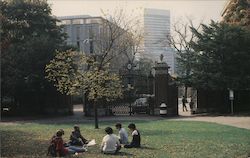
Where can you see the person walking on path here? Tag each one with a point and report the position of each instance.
(184, 101)
(191, 105)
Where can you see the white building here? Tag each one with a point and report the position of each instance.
(157, 29)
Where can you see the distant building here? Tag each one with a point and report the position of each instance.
(157, 29)
(80, 29)
(227, 6)
(90, 35)
(237, 12)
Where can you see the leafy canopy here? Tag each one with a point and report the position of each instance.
(30, 38)
(68, 72)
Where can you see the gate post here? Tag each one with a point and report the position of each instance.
(165, 90)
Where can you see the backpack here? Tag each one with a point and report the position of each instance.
(52, 150)
(52, 147)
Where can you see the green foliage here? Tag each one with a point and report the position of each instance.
(184, 67)
(68, 72)
(222, 57)
(238, 13)
(145, 66)
(160, 139)
(31, 37)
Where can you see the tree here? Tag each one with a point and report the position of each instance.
(222, 57)
(180, 40)
(31, 37)
(68, 75)
(112, 45)
(238, 12)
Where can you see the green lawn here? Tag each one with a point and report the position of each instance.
(162, 138)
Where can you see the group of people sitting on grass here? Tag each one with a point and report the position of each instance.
(111, 143)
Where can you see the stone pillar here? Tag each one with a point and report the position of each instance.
(164, 90)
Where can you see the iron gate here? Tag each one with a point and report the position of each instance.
(119, 108)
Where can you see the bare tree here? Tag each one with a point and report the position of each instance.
(117, 42)
(118, 39)
(180, 39)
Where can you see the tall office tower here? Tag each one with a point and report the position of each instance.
(157, 29)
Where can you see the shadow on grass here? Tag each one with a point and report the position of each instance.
(156, 132)
(147, 148)
(17, 143)
(110, 122)
(122, 153)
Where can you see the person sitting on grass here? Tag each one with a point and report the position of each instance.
(61, 150)
(110, 143)
(54, 136)
(76, 138)
(123, 135)
(136, 140)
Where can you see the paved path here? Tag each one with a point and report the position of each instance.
(236, 121)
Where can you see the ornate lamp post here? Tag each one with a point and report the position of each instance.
(129, 67)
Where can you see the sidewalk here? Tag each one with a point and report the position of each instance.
(236, 121)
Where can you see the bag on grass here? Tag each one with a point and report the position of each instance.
(52, 150)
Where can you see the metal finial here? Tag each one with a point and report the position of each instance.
(161, 57)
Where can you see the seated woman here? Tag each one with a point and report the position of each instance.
(76, 138)
(136, 140)
(110, 143)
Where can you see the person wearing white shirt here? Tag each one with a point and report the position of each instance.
(123, 135)
(110, 143)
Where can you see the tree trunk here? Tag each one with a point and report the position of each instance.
(96, 115)
(185, 91)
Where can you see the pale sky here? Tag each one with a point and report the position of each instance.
(204, 10)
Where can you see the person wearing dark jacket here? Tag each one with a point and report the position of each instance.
(136, 140)
(76, 137)
(184, 101)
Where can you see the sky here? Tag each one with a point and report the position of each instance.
(198, 10)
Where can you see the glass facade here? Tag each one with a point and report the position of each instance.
(156, 29)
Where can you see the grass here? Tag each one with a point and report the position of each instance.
(160, 139)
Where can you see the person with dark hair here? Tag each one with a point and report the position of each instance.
(54, 136)
(136, 140)
(59, 144)
(76, 137)
(123, 135)
(184, 101)
(110, 143)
